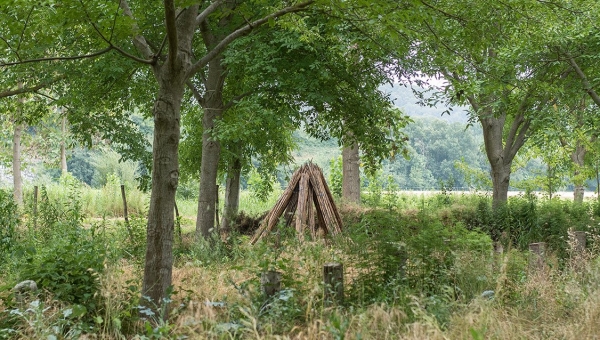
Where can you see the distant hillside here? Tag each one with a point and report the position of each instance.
(404, 99)
(312, 149)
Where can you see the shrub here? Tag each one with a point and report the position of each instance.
(9, 219)
(335, 176)
(395, 255)
(68, 266)
(64, 257)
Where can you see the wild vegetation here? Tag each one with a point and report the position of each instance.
(415, 267)
(182, 103)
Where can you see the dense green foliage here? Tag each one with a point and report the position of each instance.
(9, 219)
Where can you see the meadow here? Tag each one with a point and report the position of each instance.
(415, 267)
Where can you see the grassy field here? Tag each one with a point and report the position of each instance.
(415, 267)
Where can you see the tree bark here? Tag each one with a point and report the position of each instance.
(171, 77)
(500, 164)
(16, 163)
(577, 157)
(165, 176)
(351, 174)
(501, 152)
(16, 160)
(232, 194)
(211, 148)
(63, 151)
(500, 182)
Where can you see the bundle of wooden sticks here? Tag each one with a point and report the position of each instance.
(307, 202)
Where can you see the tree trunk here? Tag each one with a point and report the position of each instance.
(63, 152)
(232, 194)
(165, 176)
(500, 164)
(351, 174)
(16, 160)
(501, 152)
(500, 182)
(16, 163)
(577, 157)
(211, 149)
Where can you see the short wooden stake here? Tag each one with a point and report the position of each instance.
(403, 257)
(125, 215)
(124, 204)
(498, 248)
(538, 252)
(270, 282)
(580, 241)
(333, 281)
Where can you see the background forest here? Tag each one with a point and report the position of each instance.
(444, 152)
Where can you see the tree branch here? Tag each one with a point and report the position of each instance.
(514, 129)
(586, 84)
(138, 40)
(473, 103)
(446, 14)
(240, 32)
(520, 139)
(91, 55)
(109, 42)
(25, 27)
(11, 48)
(22, 90)
(199, 98)
(171, 31)
(236, 99)
(208, 11)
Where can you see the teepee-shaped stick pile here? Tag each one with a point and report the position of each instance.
(306, 197)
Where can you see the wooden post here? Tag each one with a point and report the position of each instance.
(403, 255)
(125, 212)
(580, 241)
(270, 282)
(333, 281)
(538, 252)
(124, 204)
(498, 248)
(35, 202)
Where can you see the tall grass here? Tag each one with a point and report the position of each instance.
(415, 268)
(103, 202)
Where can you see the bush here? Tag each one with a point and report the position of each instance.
(411, 254)
(9, 219)
(61, 255)
(335, 176)
(68, 267)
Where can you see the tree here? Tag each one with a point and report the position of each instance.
(484, 54)
(351, 174)
(172, 63)
(300, 77)
(16, 154)
(568, 131)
